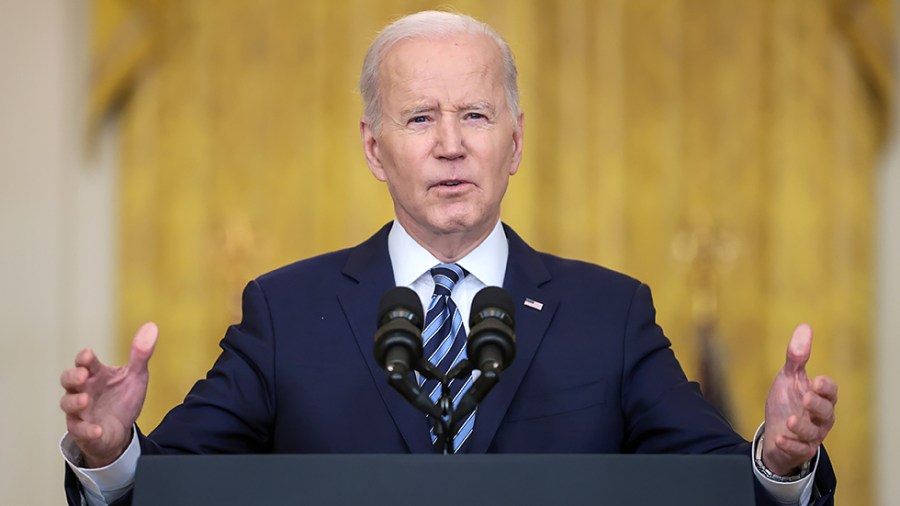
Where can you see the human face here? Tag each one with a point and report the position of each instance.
(447, 143)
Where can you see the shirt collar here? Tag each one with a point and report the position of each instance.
(410, 260)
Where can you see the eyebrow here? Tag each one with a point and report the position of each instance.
(480, 105)
(418, 109)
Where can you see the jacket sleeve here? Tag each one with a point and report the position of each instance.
(231, 410)
(666, 413)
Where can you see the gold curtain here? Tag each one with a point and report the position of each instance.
(723, 152)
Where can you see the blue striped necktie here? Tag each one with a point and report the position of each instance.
(445, 344)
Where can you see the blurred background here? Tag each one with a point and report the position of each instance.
(738, 156)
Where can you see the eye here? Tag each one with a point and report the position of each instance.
(475, 115)
(418, 119)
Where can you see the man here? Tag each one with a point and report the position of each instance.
(593, 372)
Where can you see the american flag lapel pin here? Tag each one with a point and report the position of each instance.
(533, 304)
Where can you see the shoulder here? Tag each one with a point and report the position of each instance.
(588, 285)
(582, 273)
(306, 284)
(330, 270)
(321, 266)
(568, 275)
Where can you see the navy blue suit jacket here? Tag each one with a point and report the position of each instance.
(593, 372)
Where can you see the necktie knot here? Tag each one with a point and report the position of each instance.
(445, 277)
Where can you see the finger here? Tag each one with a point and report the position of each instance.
(799, 349)
(142, 346)
(821, 410)
(82, 430)
(74, 403)
(73, 379)
(88, 359)
(796, 449)
(826, 387)
(804, 431)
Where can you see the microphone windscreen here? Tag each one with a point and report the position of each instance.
(400, 297)
(492, 297)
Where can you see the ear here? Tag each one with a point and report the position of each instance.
(370, 148)
(518, 136)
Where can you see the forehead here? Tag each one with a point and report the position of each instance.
(452, 66)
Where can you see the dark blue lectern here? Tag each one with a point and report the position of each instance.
(451, 480)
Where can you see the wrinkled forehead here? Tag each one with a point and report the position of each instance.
(459, 59)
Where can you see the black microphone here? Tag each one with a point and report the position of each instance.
(398, 341)
(492, 341)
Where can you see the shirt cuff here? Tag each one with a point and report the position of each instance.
(791, 493)
(103, 485)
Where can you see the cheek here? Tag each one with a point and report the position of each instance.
(498, 156)
(410, 154)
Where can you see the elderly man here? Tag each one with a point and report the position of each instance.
(594, 373)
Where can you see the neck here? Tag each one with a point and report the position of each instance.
(449, 247)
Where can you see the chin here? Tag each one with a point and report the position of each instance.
(449, 228)
(458, 224)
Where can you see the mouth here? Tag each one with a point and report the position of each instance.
(451, 183)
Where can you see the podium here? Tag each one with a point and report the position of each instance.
(437, 480)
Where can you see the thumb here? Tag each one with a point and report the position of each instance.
(143, 345)
(799, 349)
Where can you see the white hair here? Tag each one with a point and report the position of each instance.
(429, 24)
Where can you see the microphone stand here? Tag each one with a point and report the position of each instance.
(398, 377)
(445, 419)
(490, 375)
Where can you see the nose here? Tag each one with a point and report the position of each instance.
(449, 142)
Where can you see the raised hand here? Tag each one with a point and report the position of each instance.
(103, 402)
(799, 411)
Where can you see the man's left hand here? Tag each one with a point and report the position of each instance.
(799, 411)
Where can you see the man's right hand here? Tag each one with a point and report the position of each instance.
(102, 402)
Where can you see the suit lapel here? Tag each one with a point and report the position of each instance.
(370, 266)
(525, 274)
